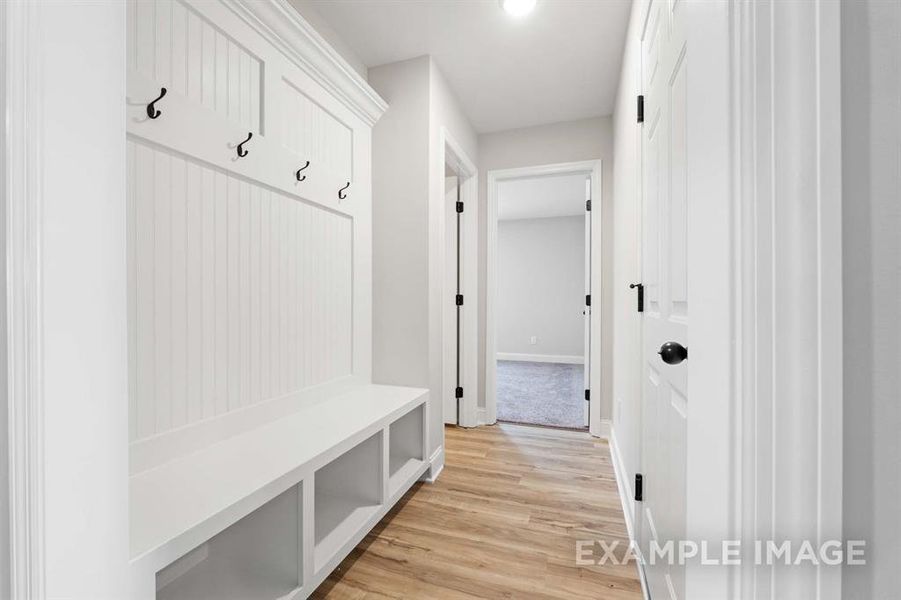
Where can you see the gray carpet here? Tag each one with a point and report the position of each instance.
(540, 393)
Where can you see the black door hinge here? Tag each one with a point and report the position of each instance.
(587, 395)
(588, 205)
(458, 393)
(587, 299)
(641, 109)
(639, 496)
(459, 207)
(640, 287)
(459, 300)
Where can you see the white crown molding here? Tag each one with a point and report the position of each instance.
(23, 200)
(284, 28)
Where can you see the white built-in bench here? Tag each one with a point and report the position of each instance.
(259, 453)
(270, 511)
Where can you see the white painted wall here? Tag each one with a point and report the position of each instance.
(400, 233)
(626, 428)
(570, 141)
(541, 286)
(408, 227)
(871, 182)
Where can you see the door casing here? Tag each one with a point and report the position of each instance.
(597, 426)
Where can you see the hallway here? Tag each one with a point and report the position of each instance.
(502, 521)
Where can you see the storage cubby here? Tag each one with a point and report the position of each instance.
(405, 455)
(348, 491)
(258, 557)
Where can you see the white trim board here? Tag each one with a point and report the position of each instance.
(436, 465)
(283, 27)
(542, 358)
(788, 261)
(22, 196)
(625, 497)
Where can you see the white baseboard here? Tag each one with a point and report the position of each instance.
(436, 465)
(606, 429)
(622, 484)
(542, 358)
(625, 497)
(482, 416)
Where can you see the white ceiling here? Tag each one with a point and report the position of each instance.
(559, 63)
(541, 197)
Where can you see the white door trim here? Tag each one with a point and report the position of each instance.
(788, 265)
(22, 54)
(451, 153)
(594, 168)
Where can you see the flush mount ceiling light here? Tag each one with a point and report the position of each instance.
(518, 8)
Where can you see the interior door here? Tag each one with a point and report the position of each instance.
(451, 309)
(587, 311)
(665, 394)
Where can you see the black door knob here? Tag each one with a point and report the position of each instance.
(673, 353)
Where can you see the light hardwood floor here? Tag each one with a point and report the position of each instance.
(501, 521)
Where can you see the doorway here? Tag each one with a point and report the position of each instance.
(458, 285)
(539, 332)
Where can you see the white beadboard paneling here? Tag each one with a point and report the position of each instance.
(160, 198)
(183, 51)
(314, 133)
(194, 291)
(178, 290)
(237, 294)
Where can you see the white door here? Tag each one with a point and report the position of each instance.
(587, 311)
(451, 310)
(685, 187)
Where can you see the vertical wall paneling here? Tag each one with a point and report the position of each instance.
(237, 294)
(130, 234)
(162, 287)
(178, 291)
(244, 285)
(194, 238)
(181, 50)
(315, 134)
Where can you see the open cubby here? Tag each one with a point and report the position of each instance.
(348, 491)
(258, 557)
(405, 454)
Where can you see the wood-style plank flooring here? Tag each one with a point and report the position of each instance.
(501, 521)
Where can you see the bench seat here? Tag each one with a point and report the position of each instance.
(182, 503)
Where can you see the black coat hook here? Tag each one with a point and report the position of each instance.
(341, 194)
(298, 175)
(241, 151)
(152, 112)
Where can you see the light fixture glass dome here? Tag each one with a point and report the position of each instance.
(518, 8)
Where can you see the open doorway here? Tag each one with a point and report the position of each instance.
(540, 311)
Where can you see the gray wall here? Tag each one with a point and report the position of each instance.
(541, 286)
(400, 225)
(407, 196)
(588, 139)
(871, 174)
